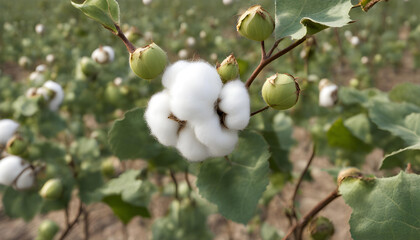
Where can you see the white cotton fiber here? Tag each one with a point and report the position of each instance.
(328, 95)
(171, 72)
(103, 54)
(157, 112)
(26, 179)
(197, 86)
(8, 128)
(220, 140)
(56, 101)
(190, 147)
(235, 102)
(10, 168)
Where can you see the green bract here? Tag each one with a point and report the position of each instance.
(228, 69)
(52, 189)
(47, 230)
(256, 24)
(148, 62)
(281, 91)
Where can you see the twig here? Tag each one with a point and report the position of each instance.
(66, 215)
(71, 225)
(263, 54)
(187, 179)
(130, 47)
(274, 47)
(176, 184)
(260, 110)
(299, 226)
(86, 222)
(265, 62)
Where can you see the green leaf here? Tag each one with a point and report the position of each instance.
(123, 210)
(384, 208)
(402, 156)
(21, 204)
(106, 12)
(269, 232)
(185, 221)
(89, 183)
(235, 186)
(130, 137)
(339, 136)
(359, 126)
(298, 18)
(406, 92)
(25, 106)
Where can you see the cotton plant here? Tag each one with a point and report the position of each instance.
(196, 113)
(328, 93)
(51, 92)
(16, 172)
(8, 128)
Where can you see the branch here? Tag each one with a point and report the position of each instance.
(130, 47)
(86, 222)
(299, 226)
(260, 110)
(176, 184)
(71, 225)
(266, 61)
(263, 54)
(274, 47)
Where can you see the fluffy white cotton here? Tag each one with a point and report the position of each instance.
(183, 54)
(189, 146)
(171, 73)
(10, 168)
(8, 128)
(50, 58)
(157, 112)
(195, 91)
(26, 179)
(36, 77)
(103, 54)
(56, 101)
(41, 68)
(328, 95)
(190, 41)
(235, 102)
(147, 2)
(220, 140)
(354, 40)
(40, 28)
(227, 2)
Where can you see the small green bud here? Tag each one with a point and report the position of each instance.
(256, 24)
(321, 228)
(47, 230)
(52, 189)
(107, 168)
(281, 91)
(348, 172)
(228, 69)
(88, 66)
(148, 62)
(17, 146)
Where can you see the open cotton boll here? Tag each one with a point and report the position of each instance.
(235, 102)
(196, 86)
(104, 54)
(219, 140)
(26, 180)
(189, 146)
(157, 112)
(328, 96)
(10, 168)
(8, 128)
(58, 97)
(171, 72)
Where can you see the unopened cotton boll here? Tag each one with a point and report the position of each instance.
(189, 146)
(8, 128)
(10, 168)
(104, 54)
(25, 180)
(220, 140)
(171, 72)
(195, 91)
(58, 97)
(235, 102)
(157, 113)
(328, 95)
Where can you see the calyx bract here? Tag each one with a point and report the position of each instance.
(256, 24)
(281, 91)
(148, 62)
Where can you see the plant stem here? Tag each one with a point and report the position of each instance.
(263, 54)
(299, 226)
(265, 61)
(130, 47)
(71, 225)
(176, 184)
(260, 110)
(86, 223)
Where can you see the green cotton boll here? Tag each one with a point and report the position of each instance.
(47, 230)
(281, 91)
(255, 24)
(148, 62)
(52, 189)
(228, 69)
(321, 228)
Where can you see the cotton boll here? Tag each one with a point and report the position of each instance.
(147, 2)
(190, 41)
(8, 128)
(157, 112)
(40, 28)
(25, 180)
(10, 168)
(227, 2)
(36, 77)
(58, 97)
(41, 68)
(195, 91)
(219, 140)
(171, 72)
(183, 53)
(235, 102)
(328, 96)
(354, 40)
(189, 146)
(103, 54)
(50, 58)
